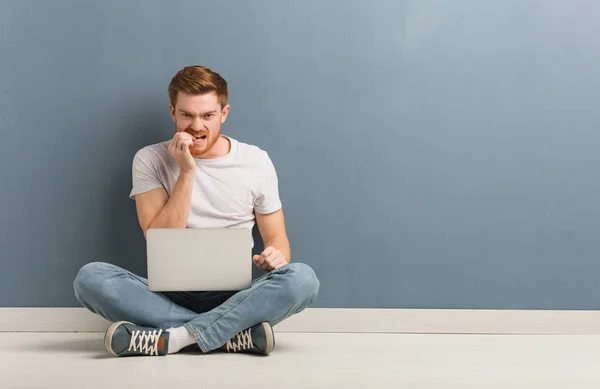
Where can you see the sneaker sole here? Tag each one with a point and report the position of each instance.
(109, 334)
(270, 337)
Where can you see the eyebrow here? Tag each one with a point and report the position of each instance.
(205, 113)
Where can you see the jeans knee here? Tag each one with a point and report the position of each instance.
(304, 283)
(90, 279)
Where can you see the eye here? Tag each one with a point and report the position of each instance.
(187, 115)
(208, 115)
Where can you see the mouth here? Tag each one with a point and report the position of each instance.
(199, 140)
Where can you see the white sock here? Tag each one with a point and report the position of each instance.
(179, 338)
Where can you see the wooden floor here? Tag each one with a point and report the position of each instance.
(78, 360)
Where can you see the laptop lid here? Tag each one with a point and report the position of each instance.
(198, 259)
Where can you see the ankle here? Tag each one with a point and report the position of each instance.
(179, 338)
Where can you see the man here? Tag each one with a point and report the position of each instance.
(201, 179)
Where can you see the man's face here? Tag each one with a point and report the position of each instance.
(200, 116)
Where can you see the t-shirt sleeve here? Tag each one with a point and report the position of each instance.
(143, 173)
(268, 200)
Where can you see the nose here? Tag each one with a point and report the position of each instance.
(197, 125)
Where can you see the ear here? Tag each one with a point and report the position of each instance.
(224, 113)
(172, 109)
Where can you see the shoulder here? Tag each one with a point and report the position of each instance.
(252, 155)
(152, 153)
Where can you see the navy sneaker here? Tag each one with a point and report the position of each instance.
(126, 339)
(258, 339)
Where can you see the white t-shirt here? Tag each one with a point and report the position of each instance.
(227, 190)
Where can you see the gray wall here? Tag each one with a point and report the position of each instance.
(431, 154)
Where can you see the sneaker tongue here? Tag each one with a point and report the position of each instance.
(163, 341)
(241, 341)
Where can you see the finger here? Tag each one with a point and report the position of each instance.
(260, 260)
(273, 257)
(279, 263)
(179, 136)
(260, 263)
(186, 146)
(184, 143)
(263, 266)
(185, 137)
(256, 260)
(282, 263)
(267, 252)
(176, 141)
(272, 261)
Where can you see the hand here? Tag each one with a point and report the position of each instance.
(180, 150)
(270, 259)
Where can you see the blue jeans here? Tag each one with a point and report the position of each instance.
(211, 317)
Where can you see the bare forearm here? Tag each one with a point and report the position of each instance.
(175, 212)
(281, 243)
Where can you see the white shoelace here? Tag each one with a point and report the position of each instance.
(241, 341)
(147, 341)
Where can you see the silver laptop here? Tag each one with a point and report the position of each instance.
(192, 259)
